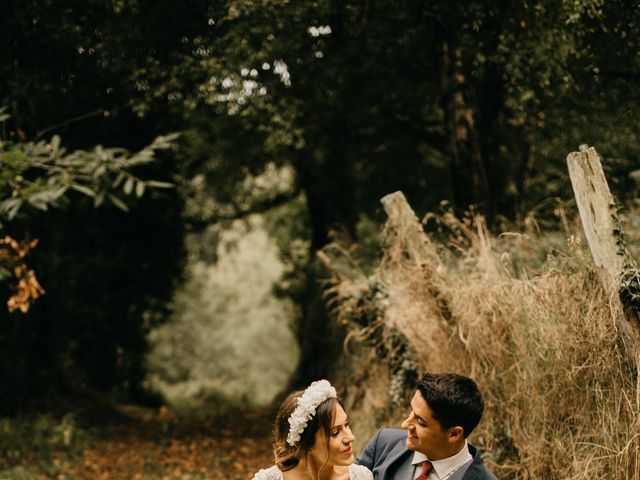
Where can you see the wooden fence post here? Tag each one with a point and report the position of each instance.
(604, 234)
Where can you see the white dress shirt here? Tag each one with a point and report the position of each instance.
(444, 468)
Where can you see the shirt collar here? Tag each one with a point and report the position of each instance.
(446, 465)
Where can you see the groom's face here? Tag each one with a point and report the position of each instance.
(424, 433)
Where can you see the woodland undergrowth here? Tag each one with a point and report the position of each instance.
(522, 312)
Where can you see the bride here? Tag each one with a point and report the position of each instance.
(312, 439)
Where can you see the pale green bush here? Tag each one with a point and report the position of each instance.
(230, 337)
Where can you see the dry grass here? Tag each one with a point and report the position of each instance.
(560, 391)
(540, 337)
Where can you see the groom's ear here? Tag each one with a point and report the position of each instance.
(456, 434)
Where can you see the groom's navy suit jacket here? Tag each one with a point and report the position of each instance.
(388, 457)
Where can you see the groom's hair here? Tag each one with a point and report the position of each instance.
(454, 400)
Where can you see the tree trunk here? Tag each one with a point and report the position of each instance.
(329, 185)
(523, 174)
(468, 173)
(328, 182)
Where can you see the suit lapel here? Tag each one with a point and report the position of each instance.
(405, 469)
(397, 465)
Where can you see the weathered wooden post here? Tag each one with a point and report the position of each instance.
(605, 237)
(404, 223)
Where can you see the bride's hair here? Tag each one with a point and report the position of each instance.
(287, 456)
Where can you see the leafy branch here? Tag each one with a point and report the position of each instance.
(40, 174)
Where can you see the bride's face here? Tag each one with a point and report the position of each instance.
(338, 450)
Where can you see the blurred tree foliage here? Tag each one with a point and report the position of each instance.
(37, 176)
(104, 294)
(107, 274)
(476, 102)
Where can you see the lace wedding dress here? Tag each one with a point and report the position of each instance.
(356, 472)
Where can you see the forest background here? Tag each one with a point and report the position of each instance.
(203, 180)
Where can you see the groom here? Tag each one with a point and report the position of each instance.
(433, 445)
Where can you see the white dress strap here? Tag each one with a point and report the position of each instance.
(356, 472)
(271, 473)
(359, 472)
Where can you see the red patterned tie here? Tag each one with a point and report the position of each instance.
(426, 468)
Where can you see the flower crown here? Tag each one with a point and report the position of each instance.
(314, 395)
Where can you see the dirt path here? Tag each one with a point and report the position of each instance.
(157, 446)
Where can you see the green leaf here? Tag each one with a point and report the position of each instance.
(42, 199)
(118, 203)
(99, 199)
(82, 189)
(55, 142)
(139, 189)
(99, 171)
(158, 184)
(11, 207)
(163, 142)
(141, 158)
(58, 193)
(128, 186)
(4, 274)
(4, 116)
(37, 202)
(116, 183)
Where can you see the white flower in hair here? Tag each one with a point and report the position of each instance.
(314, 395)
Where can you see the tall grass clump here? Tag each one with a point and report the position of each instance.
(525, 315)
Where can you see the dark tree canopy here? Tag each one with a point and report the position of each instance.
(476, 103)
